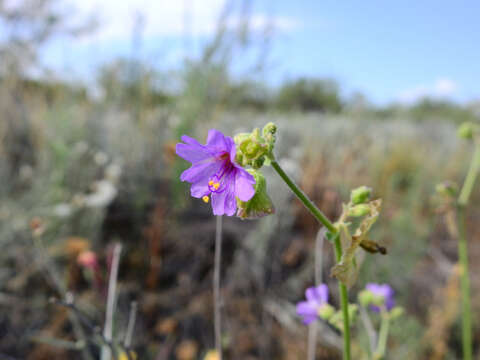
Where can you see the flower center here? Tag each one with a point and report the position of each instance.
(217, 183)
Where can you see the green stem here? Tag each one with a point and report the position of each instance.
(338, 251)
(304, 198)
(462, 202)
(471, 177)
(343, 302)
(465, 285)
(382, 337)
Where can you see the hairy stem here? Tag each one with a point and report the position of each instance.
(106, 353)
(127, 342)
(371, 333)
(462, 202)
(343, 302)
(304, 199)
(471, 177)
(464, 285)
(216, 287)
(382, 337)
(322, 219)
(313, 328)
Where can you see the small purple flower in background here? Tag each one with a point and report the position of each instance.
(317, 297)
(384, 293)
(214, 173)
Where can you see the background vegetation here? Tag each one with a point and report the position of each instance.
(90, 171)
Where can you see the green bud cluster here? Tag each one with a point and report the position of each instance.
(326, 312)
(467, 130)
(365, 298)
(447, 188)
(255, 149)
(360, 195)
(336, 317)
(396, 312)
(359, 210)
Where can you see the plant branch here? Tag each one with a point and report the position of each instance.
(111, 297)
(322, 219)
(216, 287)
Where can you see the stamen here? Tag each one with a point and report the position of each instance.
(210, 183)
(206, 199)
(216, 185)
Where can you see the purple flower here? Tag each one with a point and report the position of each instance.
(384, 292)
(214, 172)
(316, 298)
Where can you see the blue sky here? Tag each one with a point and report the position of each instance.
(390, 51)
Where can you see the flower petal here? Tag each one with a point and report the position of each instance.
(306, 308)
(200, 172)
(244, 182)
(317, 295)
(308, 319)
(199, 189)
(217, 140)
(190, 141)
(223, 203)
(193, 153)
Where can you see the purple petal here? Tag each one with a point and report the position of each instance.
(308, 311)
(200, 172)
(308, 319)
(317, 294)
(230, 204)
(190, 141)
(306, 308)
(389, 303)
(216, 140)
(223, 203)
(385, 291)
(244, 182)
(193, 153)
(199, 189)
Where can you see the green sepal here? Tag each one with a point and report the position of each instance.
(260, 204)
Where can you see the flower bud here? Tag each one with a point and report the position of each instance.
(396, 312)
(447, 188)
(260, 204)
(360, 195)
(326, 311)
(359, 210)
(251, 149)
(365, 298)
(268, 134)
(466, 130)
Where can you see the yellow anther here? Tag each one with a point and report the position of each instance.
(206, 199)
(210, 183)
(216, 186)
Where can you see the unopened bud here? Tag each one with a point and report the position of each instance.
(359, 210)
(396, 312)
(365, 298)
(326, 311)
(360, 195)
(447, 188)
(466, 130)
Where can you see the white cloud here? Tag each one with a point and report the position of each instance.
(441, 88)
(166, 18)
(445, 87)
